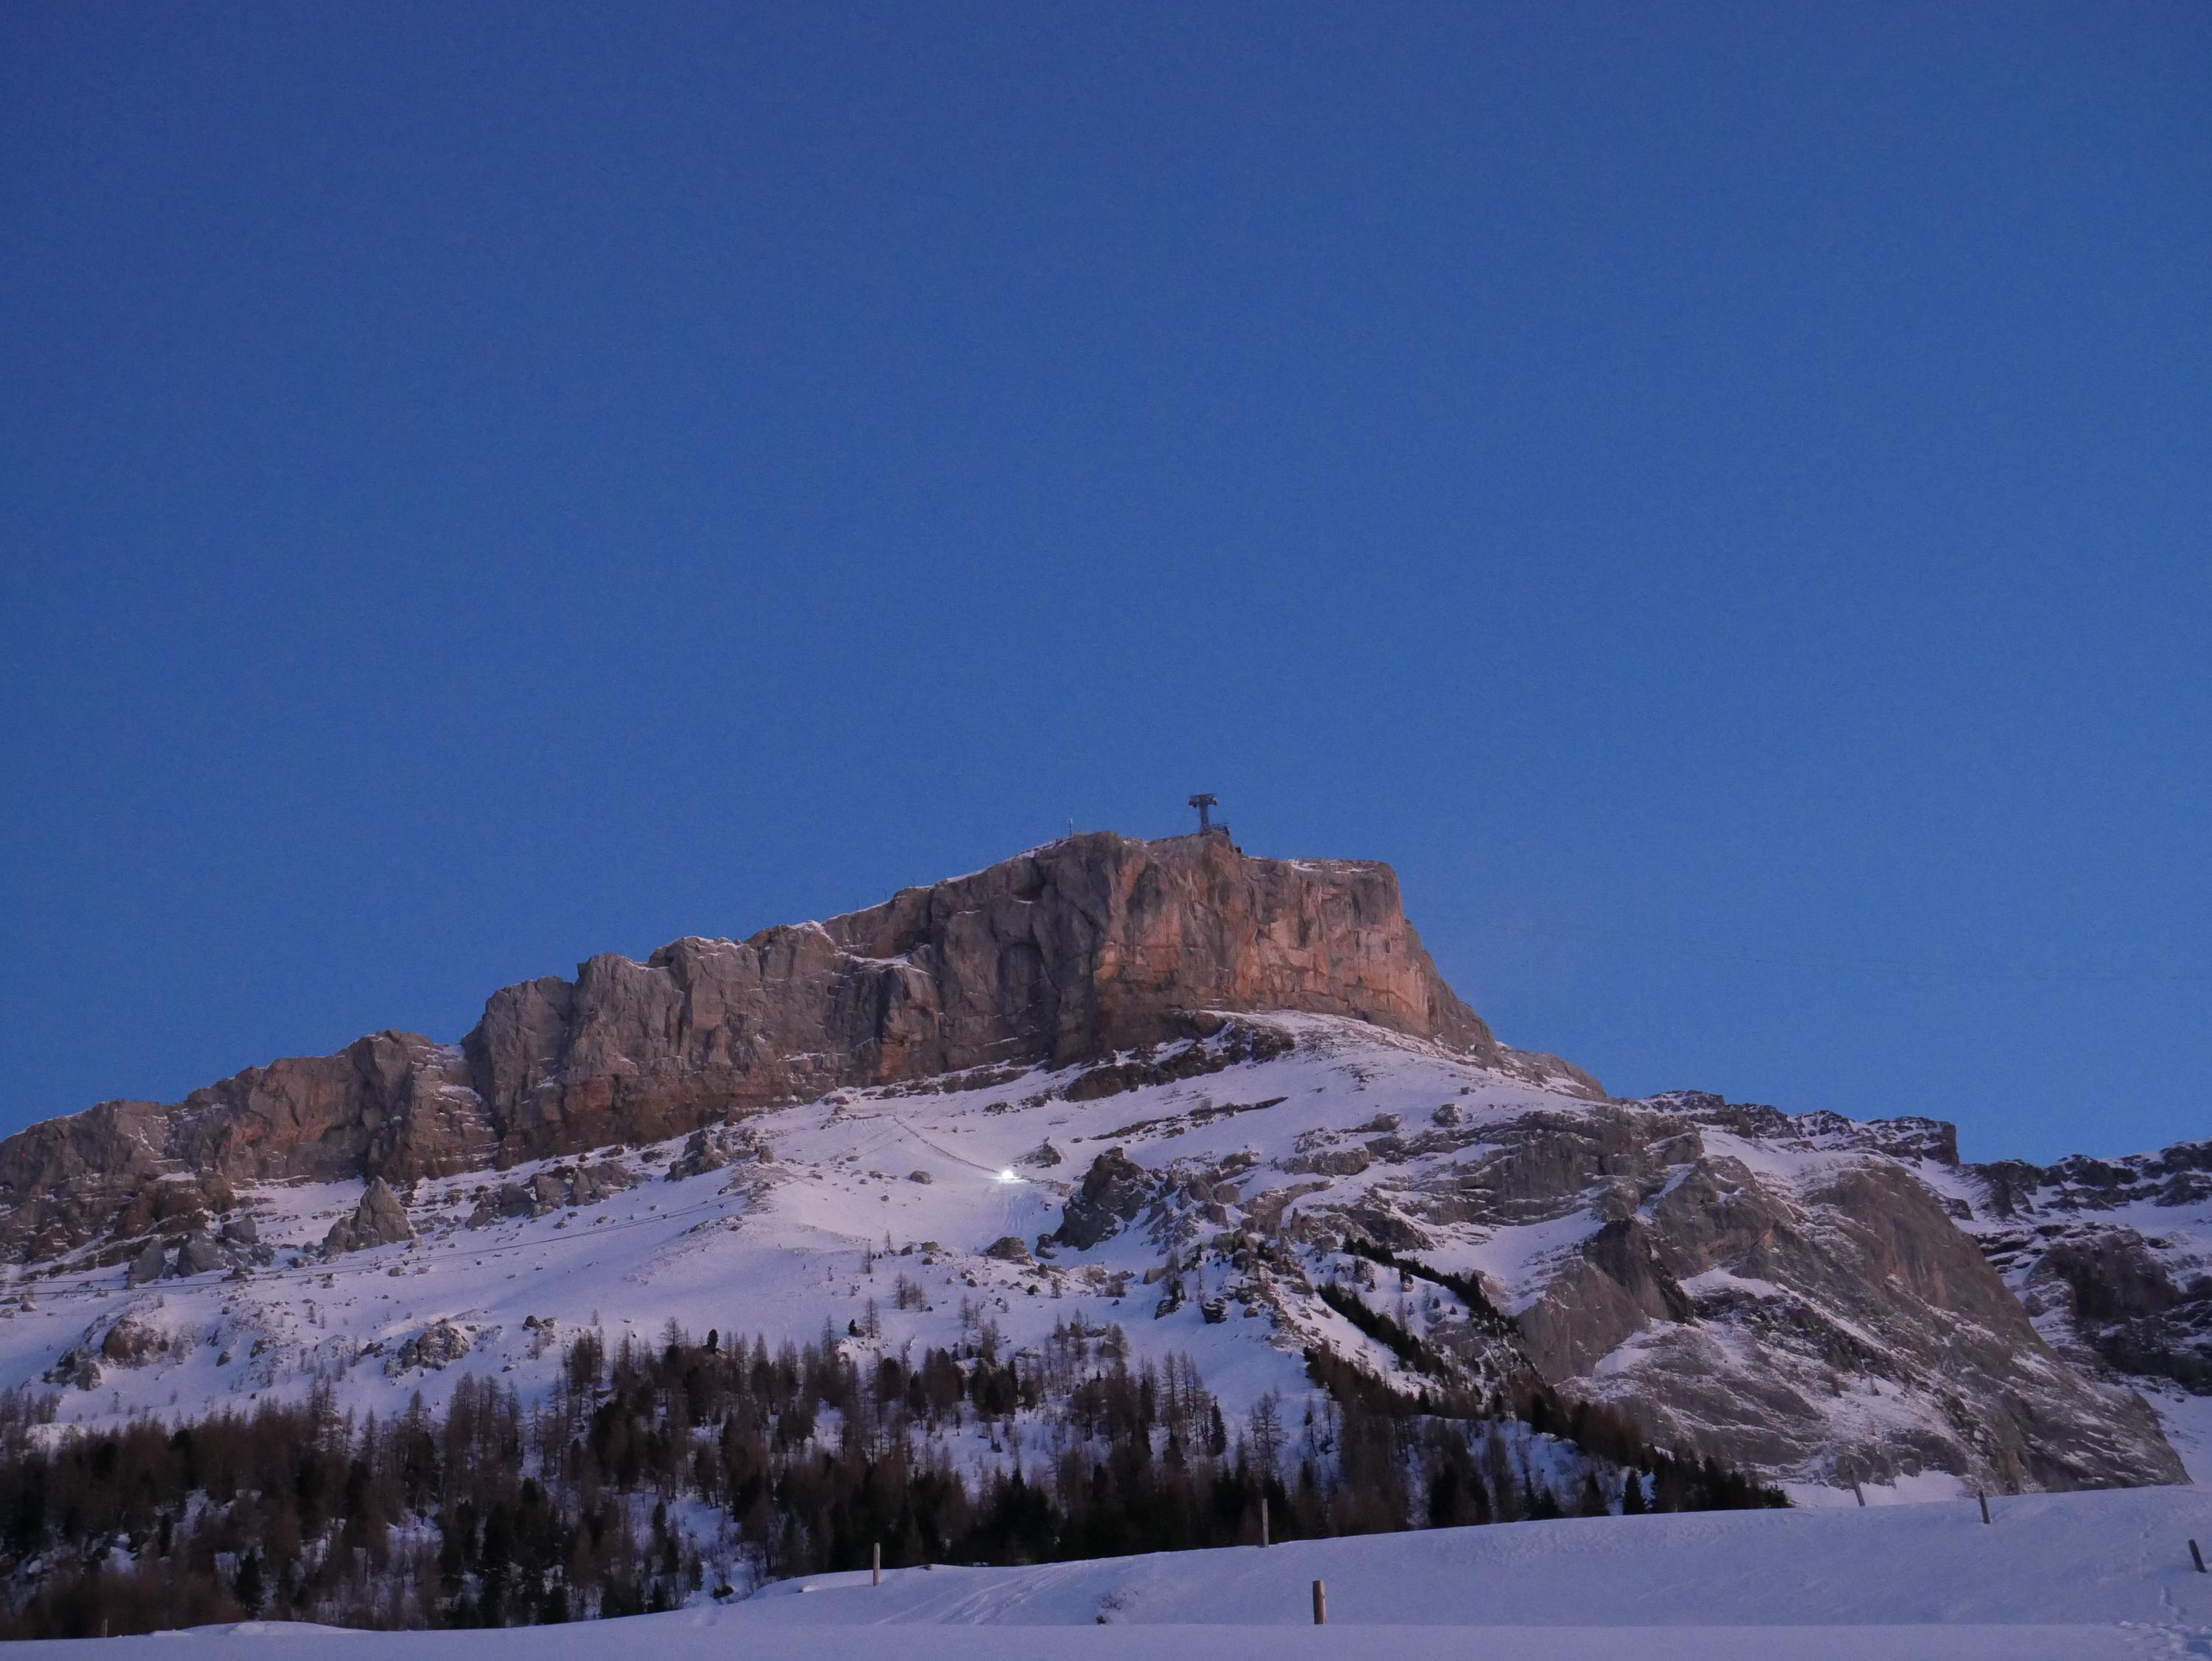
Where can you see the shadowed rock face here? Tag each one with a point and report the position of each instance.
(1068, 954)
(1790, 1293)
(1754, 1310)
(2110, 1256)
(2130, 1307)
(1113, 1192)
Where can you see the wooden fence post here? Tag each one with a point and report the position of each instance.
(877, 1569)
(1263, 1522)
(1321, 1604)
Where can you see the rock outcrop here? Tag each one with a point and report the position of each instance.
(379, 1220)
(1114, 1192)
(561, 1188)
(1793, 1294)
(393, 1105)
(431, 1350)
(201, 1253)
(2130, 1305)
(128, 1343)
(1074, 952)
(702, 1152)
(150, 1264)
(1734, 1311)
(132, 1342)
(2112, 1257)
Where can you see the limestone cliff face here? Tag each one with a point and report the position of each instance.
(1087, 946)
(392, 1102)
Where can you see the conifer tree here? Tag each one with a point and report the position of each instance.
(248, 1588)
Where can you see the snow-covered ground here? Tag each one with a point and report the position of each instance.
(2188, 1422)
(2081, 1575)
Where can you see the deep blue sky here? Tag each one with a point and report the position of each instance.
(1718, 495)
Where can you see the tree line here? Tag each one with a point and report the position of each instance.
(651, 1473)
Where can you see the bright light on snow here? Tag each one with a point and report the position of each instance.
(1007, 1175)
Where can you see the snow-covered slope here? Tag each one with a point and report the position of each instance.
(2075, 1560)
(1785, 1293)
(2091, 1575)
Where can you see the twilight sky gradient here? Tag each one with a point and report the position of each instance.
(1718, 495)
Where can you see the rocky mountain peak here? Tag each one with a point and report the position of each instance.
(1162, 1076)
(1075, 951)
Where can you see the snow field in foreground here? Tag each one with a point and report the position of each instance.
(2087, 1575)
(671, 1641)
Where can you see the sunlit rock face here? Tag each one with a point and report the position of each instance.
(1075, 951)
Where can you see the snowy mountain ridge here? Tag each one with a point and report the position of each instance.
(1226, 1104)
(1789, 1294)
